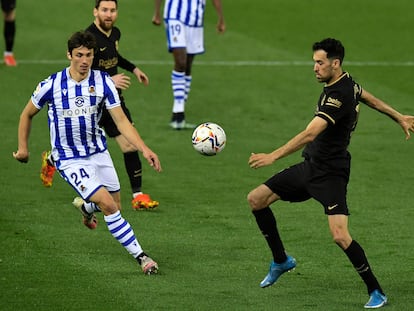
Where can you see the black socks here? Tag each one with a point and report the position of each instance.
(267, 225)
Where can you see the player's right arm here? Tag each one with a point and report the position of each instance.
(25, 123)
(314, 128)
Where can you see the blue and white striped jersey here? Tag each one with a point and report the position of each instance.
(189, 12)
(74, 109)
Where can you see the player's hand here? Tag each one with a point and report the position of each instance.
(221, 27)
(156, 20)
(258, 160)
(407, 123)
(152, 159)
(141, 76)
(20, 156)
(122, 81)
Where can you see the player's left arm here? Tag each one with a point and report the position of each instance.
(25, 124)
(141, 76)
(156, 18)
(133, 137)
(127, 65)
(405, 121)
(221, 25)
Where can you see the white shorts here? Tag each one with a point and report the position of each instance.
(183, 36)
(87, 175)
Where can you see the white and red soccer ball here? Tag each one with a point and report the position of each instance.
(209, 138)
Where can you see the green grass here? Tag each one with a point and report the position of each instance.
(210, 252)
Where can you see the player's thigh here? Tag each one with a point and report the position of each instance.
(195, 40)
(290, 183)
(331, 192)
(261, 197)
(81, 174)
(107, 173)
(88, 175)
(176, 37)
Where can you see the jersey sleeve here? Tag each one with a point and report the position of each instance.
(332, 107)
(111, 94)
(125, 64)
(41, 95)
(358, 92)
(122, 61)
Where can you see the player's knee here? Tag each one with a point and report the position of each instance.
(108, 205)
(254, 200)
(343, 241)
(180, 64)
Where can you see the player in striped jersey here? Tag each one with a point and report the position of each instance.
(107, 58)
(74, 98)
(184, 23)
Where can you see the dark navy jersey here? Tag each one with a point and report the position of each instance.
(107, 57)
(339, 106)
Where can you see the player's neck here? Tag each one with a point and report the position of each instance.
(76, 75)
(105, 32)
(335, 78)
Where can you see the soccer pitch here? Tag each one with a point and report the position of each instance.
(256, 81)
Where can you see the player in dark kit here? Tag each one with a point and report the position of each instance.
(8, 8)
(108, 59)
(324, 173)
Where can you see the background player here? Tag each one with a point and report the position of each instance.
(9, 14)
(184, 23)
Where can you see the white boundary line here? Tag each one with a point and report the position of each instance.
(239, 63)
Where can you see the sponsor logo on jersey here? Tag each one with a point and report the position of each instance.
(333, 102)
(108, 63)
(79, 112)
(79, 101)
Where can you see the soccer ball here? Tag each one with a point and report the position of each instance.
(209, 139)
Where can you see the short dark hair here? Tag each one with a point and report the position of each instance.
(332, 47)
(98, 2)
(81, 38)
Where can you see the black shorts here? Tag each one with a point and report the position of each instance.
(108, 124)
(8, 5)
(307, 180)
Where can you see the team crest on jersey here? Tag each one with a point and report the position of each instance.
(79, 101)
(91, 89)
